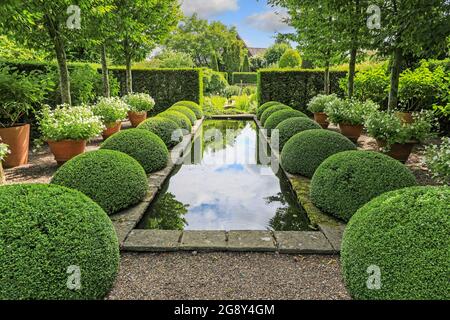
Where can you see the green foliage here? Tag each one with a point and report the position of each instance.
(10, 50)
(214, 105)
(180, 119)
(113, 179)
(166, 129)
(290, 127)
(111, 110)
(4, 151)
(246, 65)
(232, 57)
(168, 214)
(44, 229)
(69, 123)
(437, 158)
(186, 111)
(257, 62)
(231, 91)
(214, 83)
(295, 87)
(139, 102)
(214, 63)
(166, 86)
(290, 59)
(269, 111)
(405, 234)
(172, 59)
(264, 107)
(275, 52)
(193, 106)
(319, 102)
(144, 146)
(276, 118)
(244, 77)
(82, 84)
(348, 180)
(351, 112)
(306, 151)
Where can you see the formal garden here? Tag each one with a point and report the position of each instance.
(138, 138)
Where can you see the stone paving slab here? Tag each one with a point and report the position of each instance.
(302, 242)
(123, 228)
(334, 234)
(204, 241)
(251, 241)
(133, 214)
(151, 194)
(152, 240)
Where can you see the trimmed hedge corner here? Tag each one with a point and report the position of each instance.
(275, 119)
(290, 127)
(348, 180)
(46, 229)
(113, 179)
(186, 111)
(164, 128)
(193, 106)
(305, 151)
(180, 119)
(266, 114)
(264, 107)
(404, 233)
(144, 146)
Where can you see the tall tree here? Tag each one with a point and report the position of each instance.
(246, 64)
(232, 58)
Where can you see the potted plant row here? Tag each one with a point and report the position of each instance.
(350, 115)
(397, 138)
(4, 151)
(67, 129)
(317, 107)
(112, 111)
(139, 105)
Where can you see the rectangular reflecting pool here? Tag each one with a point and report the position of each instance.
(223, 185)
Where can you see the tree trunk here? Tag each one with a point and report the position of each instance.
(106, 89)
(395, 79)
(129, 75)
(327, 88)
(351, 72)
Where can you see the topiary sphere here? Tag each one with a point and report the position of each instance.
(266, 114)
(404, 235)
(193, 106)
(305, 151)
(186, 111)
(266, 106)
(290, 127)
(276, 118)
(144, 146)
(180, 119)
(112, 179)
(348, 180)
(164, 128)
(46, 232)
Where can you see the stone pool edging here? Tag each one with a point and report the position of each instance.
(326, 240)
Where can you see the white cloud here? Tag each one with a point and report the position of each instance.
(208, 8)
(269, 21)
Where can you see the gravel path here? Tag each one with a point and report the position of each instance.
(228, 276)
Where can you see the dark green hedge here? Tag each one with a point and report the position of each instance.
(186, 111)
(294, 88)
(245, 77)
(271, 110)
(164, 128)
(44, 229)
(346, 181)
(166, 86)
(144, 146)
(113, 179)
(305, 151)
(275, 119)
(193, 106)
(264, 107)
(290, 127)
(405, 233)
(180, 119)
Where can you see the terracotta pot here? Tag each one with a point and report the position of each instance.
(136, 118)
(18, 140)
(111, 129)
(2, 174)
(399, 151)
(322, 119)
(406, 117)
(66, 149)
(353, 132)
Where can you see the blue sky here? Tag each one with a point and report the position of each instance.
(256, 21)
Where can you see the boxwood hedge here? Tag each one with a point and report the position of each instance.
(144, 146)
(405, 235)
(46, 229)
(180, 119)
(112, 179)
(305, 151)
(186, 111)
(193, 106)
(348, 180)
(264, 107)
(290, 127)
(266, 114)
(166, 129)
(275, 119)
